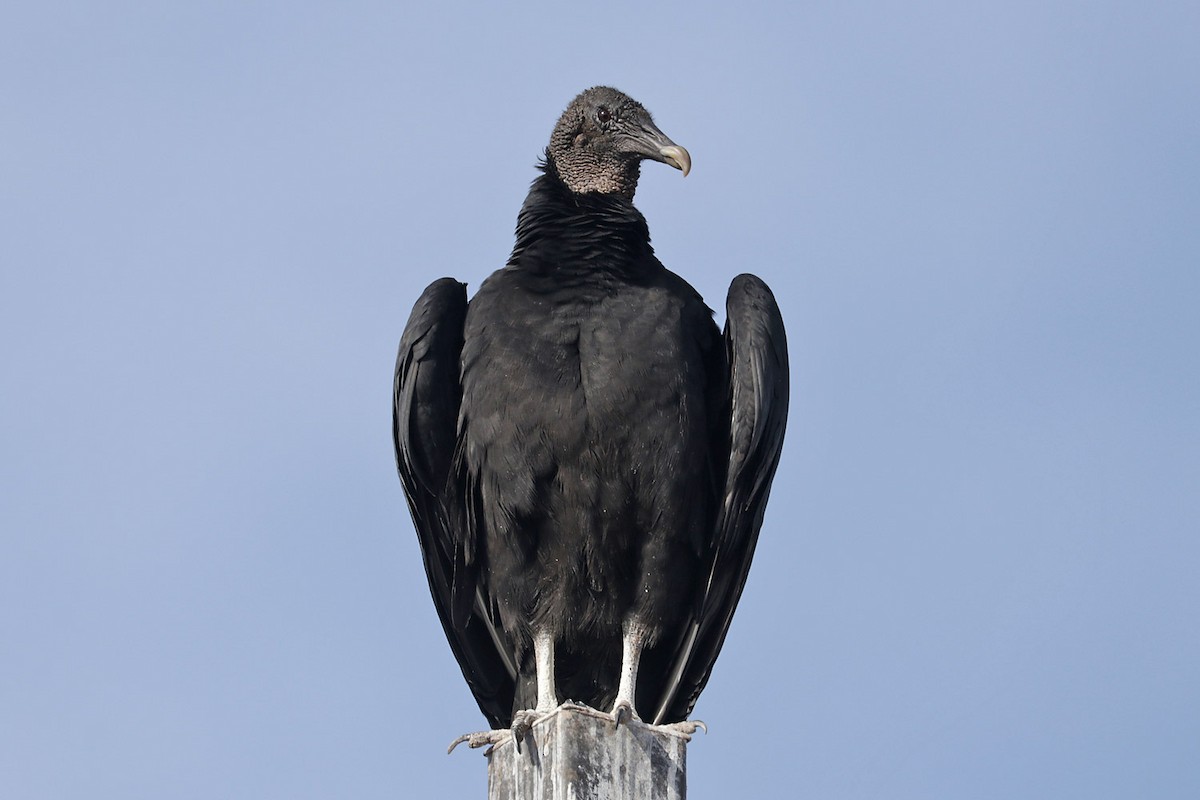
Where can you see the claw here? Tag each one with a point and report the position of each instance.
(518, 734)
(523, 722)
(622, 713)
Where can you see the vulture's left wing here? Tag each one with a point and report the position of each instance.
(756, 347)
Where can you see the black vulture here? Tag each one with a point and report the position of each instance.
(586, 457)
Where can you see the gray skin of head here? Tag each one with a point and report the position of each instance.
(600, 141)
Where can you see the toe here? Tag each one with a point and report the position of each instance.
(480, 739)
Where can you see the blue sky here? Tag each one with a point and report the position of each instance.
(978, 573)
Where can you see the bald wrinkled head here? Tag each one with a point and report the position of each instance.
(600, 141)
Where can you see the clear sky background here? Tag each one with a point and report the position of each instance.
(979, 575)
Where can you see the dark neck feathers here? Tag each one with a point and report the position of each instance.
(562, 231)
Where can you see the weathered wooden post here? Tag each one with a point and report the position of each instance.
(576, 753)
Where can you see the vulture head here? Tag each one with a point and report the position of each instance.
(600, 141)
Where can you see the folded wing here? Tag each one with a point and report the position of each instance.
(757, 404)
(427, 395)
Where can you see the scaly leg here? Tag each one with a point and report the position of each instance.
(547, 698)
(633, 639)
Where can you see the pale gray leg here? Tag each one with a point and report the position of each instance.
(543, 662)
(633, 639)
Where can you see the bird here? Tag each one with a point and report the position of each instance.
(586, 455)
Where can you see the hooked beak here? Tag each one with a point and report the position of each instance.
(677, 157)
(649, 142)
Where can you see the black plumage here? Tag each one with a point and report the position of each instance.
(586, 457)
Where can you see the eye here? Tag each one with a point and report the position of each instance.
(603, 114)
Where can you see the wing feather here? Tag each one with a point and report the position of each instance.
(427, 393)
(757, 397)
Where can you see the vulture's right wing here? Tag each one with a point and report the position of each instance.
(427, 394)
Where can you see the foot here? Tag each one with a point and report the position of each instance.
(523, 722)
(687, 728)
